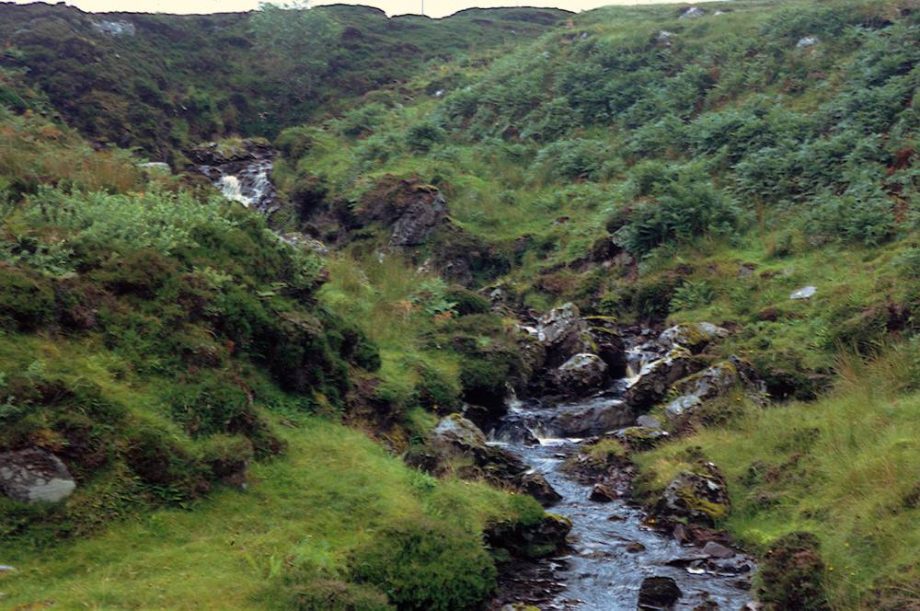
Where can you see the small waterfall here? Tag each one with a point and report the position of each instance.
(243, 178)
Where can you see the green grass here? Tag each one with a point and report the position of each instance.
(845, 468)
(333, 490)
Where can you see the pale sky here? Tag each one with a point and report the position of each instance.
(433, 8)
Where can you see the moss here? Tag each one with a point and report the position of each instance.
(26, 300)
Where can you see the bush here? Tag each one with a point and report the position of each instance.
(864, 213)
(334, 595)
(572, 159)
(426, 566)
(421, 137)
(26, 300)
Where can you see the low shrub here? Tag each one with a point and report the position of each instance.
(426, 566)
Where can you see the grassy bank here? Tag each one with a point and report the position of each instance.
(844, 467)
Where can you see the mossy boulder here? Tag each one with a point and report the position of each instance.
(791, 574)
(698, 495)
(540, 539)
(694, 336)
(656, 378)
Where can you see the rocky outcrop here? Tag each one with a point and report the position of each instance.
(410, 209)
(699, 495)
(656, 378)
(34, 475)
(457, 445)
(241, 170)
(700, 387)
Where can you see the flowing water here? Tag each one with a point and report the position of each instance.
(247, 182)
(612, 549)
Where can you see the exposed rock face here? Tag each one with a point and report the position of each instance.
(658, 593)
(608, 344)
(657, 377)
(692, 336)
(411, 209)
(700, 495)
(33, 475)
(580, 375)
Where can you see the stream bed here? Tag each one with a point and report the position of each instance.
(612, 549)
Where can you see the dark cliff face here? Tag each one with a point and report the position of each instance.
(162, 82)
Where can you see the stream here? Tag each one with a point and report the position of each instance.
(612, 548)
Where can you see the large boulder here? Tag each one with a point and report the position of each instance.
(593, 417)
(33, 475)
(563, 333)
(658, 594)
(458, 445)
(656, 378)
(700, 387)
(694, 336)
(582, 374)
(546, 537)
(700, 495)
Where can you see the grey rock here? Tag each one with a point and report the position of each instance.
(693, 336)
(564, 333)
(418, 220)
(682, 405)
(581, 374)
(33, 475)
(534, 484)
(115, 28)
(656, 378)
(807, 41)
(640, 437)
(694, 12)
(592, 417)
(700, 495)
(649, 422)
(602, 493)
(717, 550)
(806, 292)
(5, 568)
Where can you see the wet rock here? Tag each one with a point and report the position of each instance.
(656, 378)
(717, 550)
(240, 169)
(602, 493)
(658, 593)
(806, 292)
(457, 441)
(640, 438)
(540, 540)
(590, 418)
(581, 375)
(535, 485)
(33, 475)
(608, 344)
(700, 495)
(563, 333)
(635, 547)
(455, 437)
(791, 574)
(692, 336)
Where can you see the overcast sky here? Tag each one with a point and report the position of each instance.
(434, 8)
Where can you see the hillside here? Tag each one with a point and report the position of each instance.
(254, 407)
